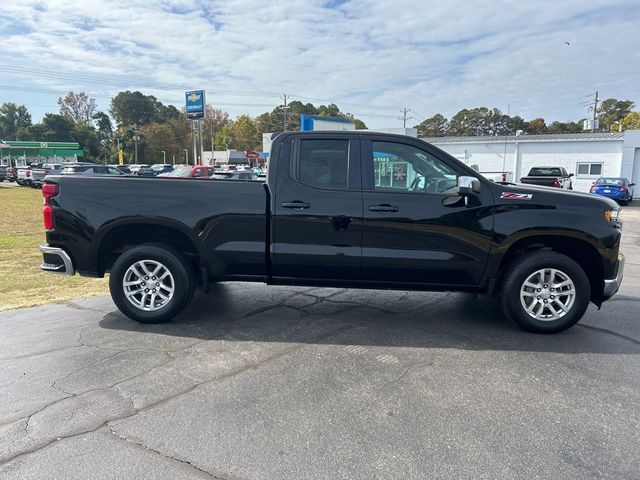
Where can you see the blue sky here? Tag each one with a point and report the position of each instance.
(370, 57)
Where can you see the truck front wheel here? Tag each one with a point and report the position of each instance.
(545, 292)
(151, 284)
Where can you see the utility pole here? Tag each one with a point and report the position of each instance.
(186, 156)
(595, 111)
(284, 110)
(213, 160)
(164, 156)
(404, 117)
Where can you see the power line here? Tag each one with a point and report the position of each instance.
(284, 109)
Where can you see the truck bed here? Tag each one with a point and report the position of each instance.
(227, 215)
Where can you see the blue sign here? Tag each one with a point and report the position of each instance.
(195, 104)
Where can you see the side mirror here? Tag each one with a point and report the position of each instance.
(571, 174)
(468, 185)
(632, 184)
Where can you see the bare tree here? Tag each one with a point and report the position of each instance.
(79, 107)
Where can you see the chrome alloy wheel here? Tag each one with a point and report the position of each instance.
(148, 285)
(547, 294)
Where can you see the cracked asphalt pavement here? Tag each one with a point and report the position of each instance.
(257, 382)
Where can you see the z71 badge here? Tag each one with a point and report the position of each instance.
(516, 196)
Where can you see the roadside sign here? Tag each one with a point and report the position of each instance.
(195, 104)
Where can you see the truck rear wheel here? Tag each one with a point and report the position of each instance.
(151, 284)
(545, 292)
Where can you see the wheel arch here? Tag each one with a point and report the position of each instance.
(111, 241)
(581, 250)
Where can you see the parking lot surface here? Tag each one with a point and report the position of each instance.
(257, 382)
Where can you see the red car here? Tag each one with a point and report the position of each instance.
(190, 171)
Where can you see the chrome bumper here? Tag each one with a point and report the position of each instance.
(611, 286)
(62, 263)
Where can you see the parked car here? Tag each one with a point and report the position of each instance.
(191, 171)
(234, 175)
(616, 188)
(159, 168)
(324, 218)
(145, 171)
(3, 173)
(23, 176)
(549, 177)
(90, 170)
(12, 173)
(135, 168)
(123, 168)
(38, 174)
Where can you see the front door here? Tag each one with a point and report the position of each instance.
(317, 226)
(416, 229)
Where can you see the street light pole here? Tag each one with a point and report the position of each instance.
(186, 156)
(135, 142)
(164, 156)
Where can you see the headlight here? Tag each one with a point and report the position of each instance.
(611, 215)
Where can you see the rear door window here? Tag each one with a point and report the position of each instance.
(323, 163)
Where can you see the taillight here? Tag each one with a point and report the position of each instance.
(49, 190)
(593, 189)
(555, 182)
(623, 189)
(28, 173)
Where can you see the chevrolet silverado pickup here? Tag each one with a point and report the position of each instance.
(549, 177)
(339, 209)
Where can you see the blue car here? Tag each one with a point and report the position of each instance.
(159, 168)
(616, 188)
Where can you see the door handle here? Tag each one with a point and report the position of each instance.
(383, 208)
(296, 204)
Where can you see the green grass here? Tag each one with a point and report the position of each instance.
(22, 283)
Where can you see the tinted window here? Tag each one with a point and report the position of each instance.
(400, 167)
(323, 163)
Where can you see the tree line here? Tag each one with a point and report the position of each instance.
(163, 132)
(612, 114)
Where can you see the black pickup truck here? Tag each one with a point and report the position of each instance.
(549, 177)
(349, 209)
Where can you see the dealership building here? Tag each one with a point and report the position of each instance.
(586, 155)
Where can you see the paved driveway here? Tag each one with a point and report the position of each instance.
(257, 382)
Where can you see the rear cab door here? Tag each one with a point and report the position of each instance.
(317, 208)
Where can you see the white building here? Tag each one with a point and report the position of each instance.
(587, 155)
(220, 157)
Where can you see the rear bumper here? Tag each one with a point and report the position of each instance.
(612, 285)
(56, 260)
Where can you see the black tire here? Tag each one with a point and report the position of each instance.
(521, 269)
(623, 202)
(180, 273)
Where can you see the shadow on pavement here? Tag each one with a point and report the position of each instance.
(381, 318)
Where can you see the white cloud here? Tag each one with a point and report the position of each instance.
(370, 57)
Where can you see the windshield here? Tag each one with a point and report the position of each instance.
(181, 172)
